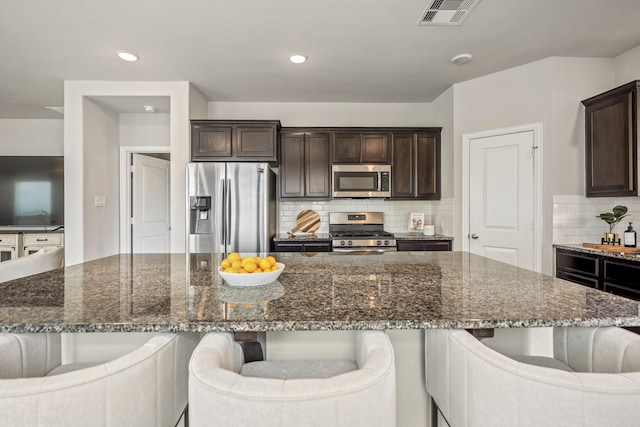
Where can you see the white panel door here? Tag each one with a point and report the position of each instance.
(501, 197)
(151, 205)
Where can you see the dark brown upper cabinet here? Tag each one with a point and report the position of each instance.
(239, 140)
(305, 166)
(611, 142)
(361, 147)
(415, 165)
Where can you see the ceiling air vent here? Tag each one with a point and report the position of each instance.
(447, 12)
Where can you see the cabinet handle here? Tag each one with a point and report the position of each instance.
(474, 236)
(42, 240)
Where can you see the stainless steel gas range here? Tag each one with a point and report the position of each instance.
(360, 232)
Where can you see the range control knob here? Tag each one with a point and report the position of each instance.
(349, 243)
(341, 242)
(379, 243)
(386, 243)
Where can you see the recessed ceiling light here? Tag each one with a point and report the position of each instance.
(297, 58)
(127, 56)
(463, 58)
(150, 109)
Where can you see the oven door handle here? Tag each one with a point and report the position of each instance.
(363, 251)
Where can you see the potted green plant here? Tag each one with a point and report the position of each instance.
(612, 218)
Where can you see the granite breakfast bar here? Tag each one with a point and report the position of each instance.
(408, 290)
(314, 305)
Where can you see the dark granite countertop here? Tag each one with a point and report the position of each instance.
(398, 290)
(420, 236)
(610, 254)
(285, 237)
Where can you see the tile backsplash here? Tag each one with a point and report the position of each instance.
(396, 213)
(575, 217)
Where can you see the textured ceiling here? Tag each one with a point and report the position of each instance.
(237, 50)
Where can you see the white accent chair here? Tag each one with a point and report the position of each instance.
(592, 380)
(226, 392)
(45, 259)
(146, 387)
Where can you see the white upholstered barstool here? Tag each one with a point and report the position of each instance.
(146, 387)
(44, 260)
(593, 379)
(226, 392)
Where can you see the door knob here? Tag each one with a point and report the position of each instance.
(474, 236)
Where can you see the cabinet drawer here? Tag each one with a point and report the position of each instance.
(625, 291)
(289, 247)
(591, 282)
(627, 274)
(582, 264)
(9, 239)
(437, 246)
(317, 247)
(53, 239)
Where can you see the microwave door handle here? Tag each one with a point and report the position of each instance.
(379, 179)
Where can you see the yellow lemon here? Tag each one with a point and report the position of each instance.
(248, 259)
(272, 260)
(264, 265)
(258, 270)
(228, 270)
(234, 256)
(225, 263)
(243, 271)
(274, 268)
(250, 267)
(236, 264)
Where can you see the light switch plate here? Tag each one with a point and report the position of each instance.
(100, 201)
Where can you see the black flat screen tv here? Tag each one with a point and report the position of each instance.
(31, 191)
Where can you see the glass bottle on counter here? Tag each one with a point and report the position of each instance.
(630, 237)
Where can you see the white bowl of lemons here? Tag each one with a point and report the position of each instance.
(249, 271)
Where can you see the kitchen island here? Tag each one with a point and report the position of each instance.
(401, 290)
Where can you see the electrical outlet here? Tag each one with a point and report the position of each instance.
(100, 201)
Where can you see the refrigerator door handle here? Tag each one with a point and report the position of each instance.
(227, 203)
(223, 214)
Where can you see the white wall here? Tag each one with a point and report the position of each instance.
(144, 129)
(627, 67)
(77, 235)
(547, 91)
(101, 141)
(327, 114)
(31, 137)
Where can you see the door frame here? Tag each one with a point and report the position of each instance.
(467, 140)
(125, 188)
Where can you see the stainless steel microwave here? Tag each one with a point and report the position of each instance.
(361, 181)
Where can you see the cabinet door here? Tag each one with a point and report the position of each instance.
(346, 147)
(402, 166)
(292, 168)
(578, 268)
(427, 166)
(318, 165)
(621, 277)
(375, 148)
(288, 247)
(443, 245)
(257, 142)
(409, 245)
(9, 244)
(611, 147)
(209, 141)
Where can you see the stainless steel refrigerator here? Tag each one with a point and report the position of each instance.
(231, 207)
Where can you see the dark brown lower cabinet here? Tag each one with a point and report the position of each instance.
(424, 245)
(618, 276)
(286, 246)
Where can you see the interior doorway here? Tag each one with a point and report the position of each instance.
(502, 192)
(144, 199)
